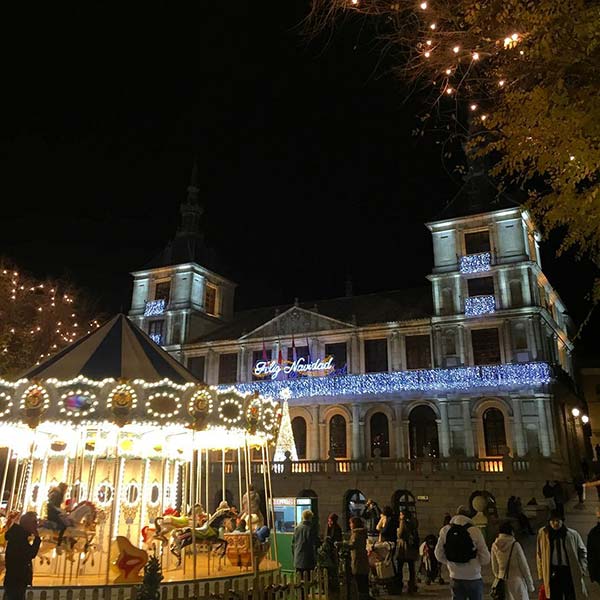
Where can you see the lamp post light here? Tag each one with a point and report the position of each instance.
(575, 412)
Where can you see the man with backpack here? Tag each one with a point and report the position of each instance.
(462, 548)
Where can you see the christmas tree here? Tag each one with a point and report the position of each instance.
(150, 588)
(285, 441)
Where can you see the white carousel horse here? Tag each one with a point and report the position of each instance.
(77, 538)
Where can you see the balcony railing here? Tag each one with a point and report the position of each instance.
(458, 464)
(476, 306)
(475, 263)
(155, 307)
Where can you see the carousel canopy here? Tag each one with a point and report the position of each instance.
(119, 350)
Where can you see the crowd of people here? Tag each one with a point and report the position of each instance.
(460, 547)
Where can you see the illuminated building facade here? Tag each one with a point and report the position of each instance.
(465, 368)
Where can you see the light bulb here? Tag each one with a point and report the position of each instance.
(575, 412)
(449, 90)
(456, 49)
(448, 71)
(427, 54)
(432, 26)
(571, 158)
(483, 117)
(501, 82)
(473, 106)
(428, 42)
(514, 37)
(585, 419)
(475, 55)
(423, 5)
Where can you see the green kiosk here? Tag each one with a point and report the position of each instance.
(288, 514)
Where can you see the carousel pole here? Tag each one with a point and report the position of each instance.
(143, 500)
(27, 485)
(12, 504)
(193, 494)
(239, 469)
(269, 498)
(248, 484)
(206, 481)
(199, 478)
(42, 487)
(23, 479)
(115, 499)
(5, 475)
(223, 495)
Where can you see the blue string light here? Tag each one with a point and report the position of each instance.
(155, 307)
(476, 263)
(156, 338)
(476, 306)
(462, 378)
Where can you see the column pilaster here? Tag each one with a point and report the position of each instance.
(356, 453)
(315, 434)
(468, 427)
(444, 427)
(518, 431)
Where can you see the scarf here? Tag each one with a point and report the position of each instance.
(557, 544)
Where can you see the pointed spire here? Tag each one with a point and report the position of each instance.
(190, 210)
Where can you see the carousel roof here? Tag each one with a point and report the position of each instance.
(118, 349)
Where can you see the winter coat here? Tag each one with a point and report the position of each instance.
(387, 529)
(304, 546)
(19, 554)
(408, 540)
(472, 569)
(519, 576)
(576, 555)
(358, 551)
(593, 553)
(335, 533)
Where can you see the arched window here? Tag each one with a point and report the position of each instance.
(380, 434)
(494, 432)
(299, 431)
(354, 505)
(423, 433)
(404, 501)
(337, 436)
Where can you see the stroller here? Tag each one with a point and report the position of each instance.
(382, 578)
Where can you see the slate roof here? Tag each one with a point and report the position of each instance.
(369, 309)
(118, 349)
(186, 249)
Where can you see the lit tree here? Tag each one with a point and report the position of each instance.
(37, 319)
(524, 75)
(285, 440)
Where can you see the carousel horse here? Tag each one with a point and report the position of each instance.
(206, 536)
(77, 538)
(130, 561)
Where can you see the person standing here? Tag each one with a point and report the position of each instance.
(359, 558)
(548, 492)
(462, 548)
(407, 550)
(304, 545)
(387, 526)
(585, 468)
(593, 551)
(559, 498)
(561, 560)
(334, 531)
(371, 516)
(509, 563)
(19, 556)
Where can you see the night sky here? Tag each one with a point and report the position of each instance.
(310, 173)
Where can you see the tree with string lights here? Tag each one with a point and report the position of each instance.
(38, 318)
(522, 77)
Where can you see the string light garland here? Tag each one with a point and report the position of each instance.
(423, 380)
(153, 308)
(475, 263)
(476, 306)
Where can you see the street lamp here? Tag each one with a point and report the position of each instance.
(585, 419)
(575, 412)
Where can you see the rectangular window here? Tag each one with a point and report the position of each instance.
(481, 286)
(210, 299)
(476, 242)
(228, 367)
(259, 356)
(418, 352)
(196, 366)
(376, 356)
(301, 352)
(162, 291)
(155, 331)
(339, 353)
(486, 346)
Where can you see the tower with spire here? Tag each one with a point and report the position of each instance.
(180, 295)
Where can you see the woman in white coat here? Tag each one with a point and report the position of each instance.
(519, 579)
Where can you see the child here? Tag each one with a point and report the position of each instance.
(429, 562)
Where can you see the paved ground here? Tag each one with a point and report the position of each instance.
(580, 519)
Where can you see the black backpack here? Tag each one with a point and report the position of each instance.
(459, 546)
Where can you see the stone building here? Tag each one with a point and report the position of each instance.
(431, 393)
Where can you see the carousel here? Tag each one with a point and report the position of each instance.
(121, 452)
